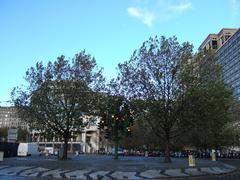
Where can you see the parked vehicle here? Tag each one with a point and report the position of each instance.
(49, 151)
(27, 149)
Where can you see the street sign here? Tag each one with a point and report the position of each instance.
(12, 135)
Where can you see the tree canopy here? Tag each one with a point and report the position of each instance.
(117, 120)
(58, 96)
(153, 77)
(175, 91)
(210, 100)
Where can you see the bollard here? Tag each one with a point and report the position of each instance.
(191, 161)
(146, 153)
(1, 155)
(213, 156)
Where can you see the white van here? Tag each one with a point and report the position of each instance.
(49, 151)
(27, 149)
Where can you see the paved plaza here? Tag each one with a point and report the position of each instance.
(105, 167)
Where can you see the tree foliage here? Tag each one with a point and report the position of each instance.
(22, 135)
(59, 95)
(116, 120)
(142, 138)
(177, 93)
(210, 100)
(3, 133)
(153, 78)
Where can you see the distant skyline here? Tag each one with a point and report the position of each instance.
(42, 30)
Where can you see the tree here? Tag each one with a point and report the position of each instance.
(232, 130)
(153, 76)
(210, 100)
(59, 95)
(22, 135)
(3, 133)
(142, 138)
(116, 120)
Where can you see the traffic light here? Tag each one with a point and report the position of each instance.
(101, 124)
(103, 121)
(128, 131)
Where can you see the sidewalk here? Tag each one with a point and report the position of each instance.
(105, 167)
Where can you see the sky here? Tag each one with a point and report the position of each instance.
(109, 30)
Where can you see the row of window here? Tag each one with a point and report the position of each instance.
(8, 116)
(10, 126)
(229, 57)
(234, 41)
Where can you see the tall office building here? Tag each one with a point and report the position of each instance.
(216, 41)
(227, 46)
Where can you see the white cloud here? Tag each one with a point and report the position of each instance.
(135, 12)
(182, 7)
(145, 16)
(152, 11)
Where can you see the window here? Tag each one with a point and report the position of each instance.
(222, 40)
(227, 36)
(88, 139)
(214, 44)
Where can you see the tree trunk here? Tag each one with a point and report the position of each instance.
(167, 158)
(65, 149)
(116, 149)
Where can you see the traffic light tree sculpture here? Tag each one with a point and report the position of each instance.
(116, 121)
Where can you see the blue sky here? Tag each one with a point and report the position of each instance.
(110, 30)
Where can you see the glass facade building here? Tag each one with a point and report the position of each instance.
(226, 44)
(229, 57)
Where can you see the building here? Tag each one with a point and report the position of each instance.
(216, 41)
(229, 56)
(9, 118)
(227, 46)
(89, 141)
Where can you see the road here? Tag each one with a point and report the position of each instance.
(40, 167)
